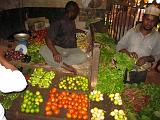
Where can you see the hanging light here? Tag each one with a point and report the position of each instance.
(150, 1)
(158, 1)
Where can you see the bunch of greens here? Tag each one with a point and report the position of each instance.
(7, 99)
(111, 76)
(108, 47)
(123, 61)
(33, 51)
(112, 65)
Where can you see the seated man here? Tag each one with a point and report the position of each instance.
(11, 80)
(61, 49)
(142, 42)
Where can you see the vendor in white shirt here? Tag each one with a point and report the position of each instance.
(12, 80)
(143, 41)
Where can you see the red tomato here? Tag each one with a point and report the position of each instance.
(56, 111)
(73, 95)
(71, 111)
(79, 107)
(47, 108)
(53, 90)
(68, 115)
(76, 104)
(53, 107)
(49, 113)
(70, 106)
(53, 99)
(80, 116)
(83, 112)
(85, 117)
(74, 116)
(48, 103)
(60, 105)
(65, 106)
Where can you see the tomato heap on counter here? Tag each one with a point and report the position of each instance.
(76, 104)
(38, 37)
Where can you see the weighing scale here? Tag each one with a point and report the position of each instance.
(22, 42)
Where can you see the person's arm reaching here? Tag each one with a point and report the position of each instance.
(51, 45)
(5, 63)
(12, 80)
(142, 60)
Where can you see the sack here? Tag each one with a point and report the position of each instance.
(135, 76)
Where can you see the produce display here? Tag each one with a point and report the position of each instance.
(33, 51)
(76, 104)
(112, 66)
(41, 78)
(11, 54)
(108, 47)
(31, 102)
(70, 96)
(96, 96)
(118, 114)
(74, 83)
(142, 101)
(116, 98)
(38, 37)
(82, 41)
(7, 99)
(97, 114)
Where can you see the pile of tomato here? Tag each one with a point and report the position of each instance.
(38, 37)
(76, 104)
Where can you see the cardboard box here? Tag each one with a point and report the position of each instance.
(35, 24)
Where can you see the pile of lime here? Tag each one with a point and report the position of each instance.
(74, 83)
(31, 102)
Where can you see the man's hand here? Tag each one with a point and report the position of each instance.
(57, 57)
(133, 55)
(142, 60)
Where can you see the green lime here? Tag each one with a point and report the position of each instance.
(32, 111)
(27, 110)
(24, 105)
(29, 102)
(22, 110)
(27, 91)
(37, 93)
(37, 110)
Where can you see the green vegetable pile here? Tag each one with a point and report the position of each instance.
(33, 51)
(108, 47)
(7, 99)
(41, 77)
(112, 66)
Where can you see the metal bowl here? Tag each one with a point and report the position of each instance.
(21, 36)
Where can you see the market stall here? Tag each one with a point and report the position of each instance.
(100, 91)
